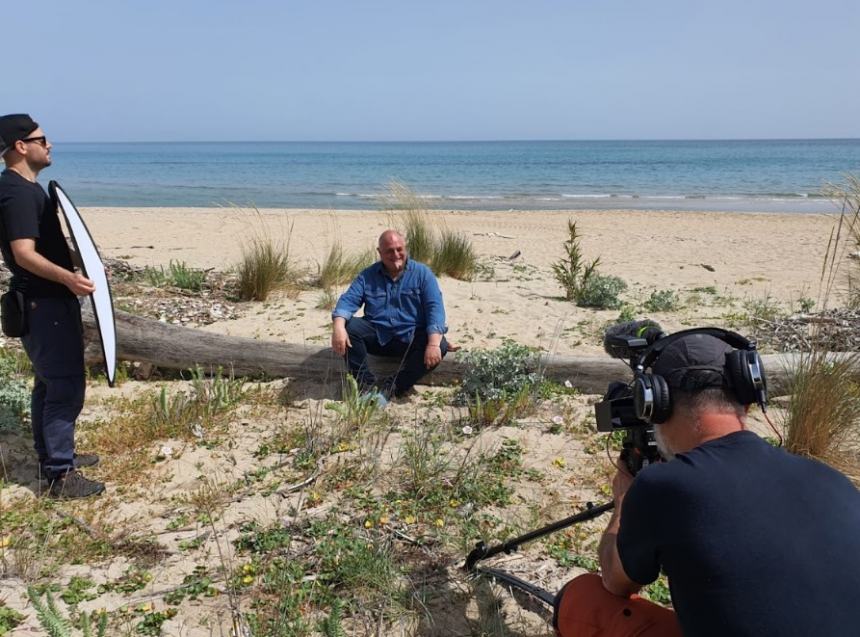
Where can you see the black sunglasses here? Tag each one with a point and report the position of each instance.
(42, 141)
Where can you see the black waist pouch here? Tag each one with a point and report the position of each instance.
(13, 314)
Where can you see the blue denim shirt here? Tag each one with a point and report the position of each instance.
(396, 308)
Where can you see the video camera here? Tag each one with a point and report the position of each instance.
(628, 341)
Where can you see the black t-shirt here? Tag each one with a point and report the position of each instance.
(26, 213)
(755, 541)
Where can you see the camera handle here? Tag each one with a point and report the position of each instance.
(482, 551)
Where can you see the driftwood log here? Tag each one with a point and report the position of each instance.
(173, 347)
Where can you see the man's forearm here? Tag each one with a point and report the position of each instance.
(615, 579)
(36, 264)
(434, 339)
(607, 550)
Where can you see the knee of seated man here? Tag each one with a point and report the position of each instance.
(356, 326)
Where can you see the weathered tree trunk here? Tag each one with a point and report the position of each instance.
(174, 347)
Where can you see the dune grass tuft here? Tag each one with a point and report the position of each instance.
(264, 268)
(454, 256)
(449, 253)
(265, 265)
(339, 268)
(822, 419)
(420, 242)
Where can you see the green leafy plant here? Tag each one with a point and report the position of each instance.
(9, 619)
(572, 272)
(216, 393)
(498, 385)
(14, 392)
(332, 626)
(602, 292)
(78, 590)
(194, 585)
(502, 371)
(178, 274)
(49, 616)
(356, 408)
(662, 301)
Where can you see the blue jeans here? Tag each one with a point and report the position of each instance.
(364, 341)
(55, 346)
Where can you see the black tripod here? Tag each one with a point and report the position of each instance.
(482, 551)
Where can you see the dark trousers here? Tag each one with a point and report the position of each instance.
(410, 369)
(55, 346)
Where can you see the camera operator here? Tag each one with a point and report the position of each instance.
(754, 540)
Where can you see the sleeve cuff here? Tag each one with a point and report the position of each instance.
(436, 329)
(341, 314)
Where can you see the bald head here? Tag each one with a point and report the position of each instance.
(392, 252)
(389, 235)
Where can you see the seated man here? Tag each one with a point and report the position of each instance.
(754, 540)
(403, 318)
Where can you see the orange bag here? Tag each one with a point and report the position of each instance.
(583, 608)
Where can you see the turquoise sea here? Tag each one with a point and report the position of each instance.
(765, 175)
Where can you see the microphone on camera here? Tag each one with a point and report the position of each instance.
(625, 340)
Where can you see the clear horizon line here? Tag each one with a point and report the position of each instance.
(457, 141)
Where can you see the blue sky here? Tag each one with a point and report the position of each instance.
(364, 70)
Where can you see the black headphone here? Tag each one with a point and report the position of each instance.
(743, 374)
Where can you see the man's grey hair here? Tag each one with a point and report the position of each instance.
(714, 399)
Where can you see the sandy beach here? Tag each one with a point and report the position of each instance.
(200, 508)
(742, 257)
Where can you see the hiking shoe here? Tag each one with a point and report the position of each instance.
(85, 460)
(81, 460)
(74, 485)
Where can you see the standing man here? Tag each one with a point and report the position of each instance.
(404, 318)
(35, 250)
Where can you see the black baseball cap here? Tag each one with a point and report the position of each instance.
(693, 362)
(14, 128)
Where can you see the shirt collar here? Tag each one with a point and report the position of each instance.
(380, 268)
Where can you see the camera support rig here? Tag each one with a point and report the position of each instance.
(616, 411)
(482, 551)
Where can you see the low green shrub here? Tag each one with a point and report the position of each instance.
(662, 301)
(601, 291)
(497, 373)
(178, 274)
(14, 393)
